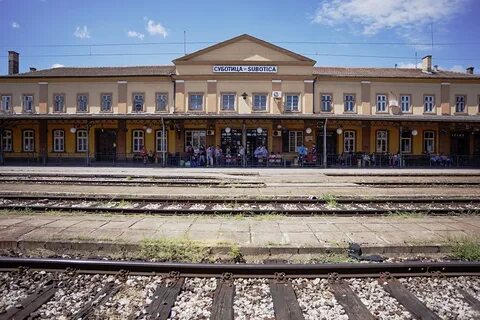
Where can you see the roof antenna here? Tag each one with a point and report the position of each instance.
(184, 42)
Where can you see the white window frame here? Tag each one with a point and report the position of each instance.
(405, 103)
(195, 101)
(58, 100)
(158, 141)
(290, 104)
(382, 103)
(82, 140)
(138, 102)
(231, 105)
(349, 102)
(28, 140)
(349, 141)
(428, 103)
(460, 103)
(406, 142)
(58, 140)
(7, 141)
(161, 102)
(6, 103)
(381, 141)
(260, 102)
(295, 140)
(106, 102)
(82, 102)
(28, 103)
(195, 137)
(138, 140)
(326, 102)
(429, 138)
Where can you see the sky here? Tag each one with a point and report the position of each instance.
(356, 33)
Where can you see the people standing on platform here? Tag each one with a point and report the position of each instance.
(242, 155)
(144, 155)
(302, 153)
(202, 153)
(210, 152)
(218, 155)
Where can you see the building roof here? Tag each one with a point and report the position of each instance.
(78, 72)
(390, 73)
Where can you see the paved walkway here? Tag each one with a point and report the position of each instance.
(256, 234)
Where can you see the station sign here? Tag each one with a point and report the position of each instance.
(245, 69)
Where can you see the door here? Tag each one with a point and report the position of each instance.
(331, 143)
(256, 139)
(460, 144)
(106, 142)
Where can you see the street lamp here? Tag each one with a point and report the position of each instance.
(339, 131)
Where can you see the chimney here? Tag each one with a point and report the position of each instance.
(13, 62)
(470, 70)
(33, 69)
(435, 68)
(427, 64)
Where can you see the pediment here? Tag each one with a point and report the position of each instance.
(244, 48)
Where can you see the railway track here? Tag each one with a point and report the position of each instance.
(293, 206)
(93, 289)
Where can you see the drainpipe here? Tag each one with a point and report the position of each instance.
(1, 146)
(164, 147)
(88, 143)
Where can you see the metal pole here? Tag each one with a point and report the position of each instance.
(325, 143)
(1, 147)
(400, 146)
(163, 144)
(88, 143)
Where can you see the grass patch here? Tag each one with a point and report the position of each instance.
(407, 214)
(331, 258)
(273, 216)
(181, 250)
(330, 200)
(124, 203)
(465, 248)
(236, 254)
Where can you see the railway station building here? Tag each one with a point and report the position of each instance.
(241, 92)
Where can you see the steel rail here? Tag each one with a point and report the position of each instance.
(250, 200)
(347, 270)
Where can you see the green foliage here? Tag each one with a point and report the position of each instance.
(179, 250)
(466, 248)
(236, 254)
(330, 200)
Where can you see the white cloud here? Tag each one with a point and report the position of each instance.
(156, 28)
(82, 33)
(57, 65)
(15, 25)
(374, 16)
(458, 68)
(408, 65)
(135, 34)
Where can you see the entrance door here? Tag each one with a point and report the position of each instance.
(105, 148)
(460, 144)
(256, 139)
(331, 143)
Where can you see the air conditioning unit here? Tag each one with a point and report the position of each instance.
(277, 133)
(210, 132)
(277, 94)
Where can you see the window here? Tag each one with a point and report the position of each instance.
(138, 102)
(161, 101)
(106, 102)
(195, 102)
(349, 141)
(161, 141)
(460, 103)
(405, 103)
(429, 141)
(137, 140)
(228, 101)
(7, 141)
(195, 138)
(406, 142)
(381, 103)
(428, 103)
(382, 141)
(295, 140)
(27, 103)
(6, 103)
(326, 102)
(349, 102)
(291, 102)
(58, 141)
(82, 141)
(82, 103)
(259, 102)
(58, 103)
(28, 141)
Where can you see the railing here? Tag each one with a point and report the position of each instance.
(350, 160)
